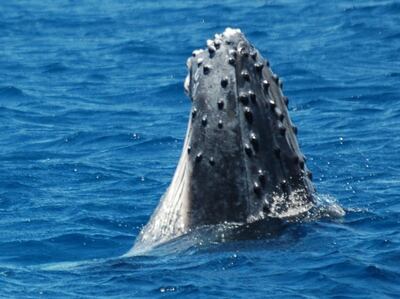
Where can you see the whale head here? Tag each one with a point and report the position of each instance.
(241, 161)
(242, 147)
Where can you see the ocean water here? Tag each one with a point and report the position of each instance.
(92, 121)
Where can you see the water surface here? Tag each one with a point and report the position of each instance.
(93, 116)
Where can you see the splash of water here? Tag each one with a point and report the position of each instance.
(283, 212)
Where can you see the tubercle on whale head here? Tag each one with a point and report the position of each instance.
(196, 62)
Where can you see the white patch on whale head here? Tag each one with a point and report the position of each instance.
(186, 84)
(230, 32)
(197, 52)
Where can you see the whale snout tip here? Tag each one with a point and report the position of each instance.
(231, 32)
(231, 39)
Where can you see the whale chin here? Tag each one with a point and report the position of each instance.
(241, 162)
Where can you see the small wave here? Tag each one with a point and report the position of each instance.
(171, 89)
(167, 140)
(97, 77)
(377, 8)
(36, 155)
(327, 207)
(11, 91)
(394, 74)
(138, 47)
(57, 67)
(105, 113)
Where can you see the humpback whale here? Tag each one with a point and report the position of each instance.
(241, 161)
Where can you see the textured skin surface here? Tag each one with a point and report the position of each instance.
(249, 137)
(241, 161)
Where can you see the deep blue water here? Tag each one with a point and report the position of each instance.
(92, 121)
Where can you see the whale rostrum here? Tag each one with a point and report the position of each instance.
(241, 161)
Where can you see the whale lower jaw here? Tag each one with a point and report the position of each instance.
(170, 219)
(241, 161)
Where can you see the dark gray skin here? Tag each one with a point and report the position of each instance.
(241, 161)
